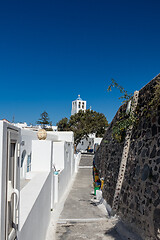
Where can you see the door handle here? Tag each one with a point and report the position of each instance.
(16, 192)
(12, 191)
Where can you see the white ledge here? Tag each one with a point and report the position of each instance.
(29, 194)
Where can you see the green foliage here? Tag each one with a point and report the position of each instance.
(155, 102)
(49, 129)
(63, 124)
(125, 119)
(150, 108)
(122, 125)
(83, 123)
(125, 95)
(106, 141)
(44, 120)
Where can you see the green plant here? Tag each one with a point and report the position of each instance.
(155, 102)
(122, 125)
(106, 141)
(150, 108)
(125, 95)
(49, 129)
(125, 119)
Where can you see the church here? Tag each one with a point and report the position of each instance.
(78, 105)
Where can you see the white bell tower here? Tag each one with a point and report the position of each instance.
(78, 105)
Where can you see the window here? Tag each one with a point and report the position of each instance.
(83, 105)
(82, 142)
(23, 157)
(79, 105)
(29, 163)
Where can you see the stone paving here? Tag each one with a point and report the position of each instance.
(81, 218)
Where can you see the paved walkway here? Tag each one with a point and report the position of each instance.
(81, 218)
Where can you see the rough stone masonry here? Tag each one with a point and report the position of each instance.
(139, 200)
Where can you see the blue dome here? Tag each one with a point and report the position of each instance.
(79, 98)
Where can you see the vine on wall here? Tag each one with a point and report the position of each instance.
(155, 102)
(150, 108)
(119, 129)
(127, 119)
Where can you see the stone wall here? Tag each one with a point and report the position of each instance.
(139, 201)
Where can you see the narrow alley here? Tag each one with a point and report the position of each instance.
(81, 217)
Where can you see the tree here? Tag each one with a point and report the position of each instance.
(44, 119)
(63, 124)
(84, 123)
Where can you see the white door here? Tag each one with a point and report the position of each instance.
(12, 193)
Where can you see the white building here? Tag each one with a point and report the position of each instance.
(89, 143)
(35, 128)
(78, 105)
(34, 176)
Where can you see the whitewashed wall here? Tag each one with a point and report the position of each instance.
(65, 175)
(26, 147)
(77, 158)
(62, 136)
(38, 194)
(85, 143)
(58, 155)
(97, 141)
(91, 142)
(46, 153)
(42, 155)
(62, 181)
(35, 207)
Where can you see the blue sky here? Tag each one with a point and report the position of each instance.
(51, 51)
